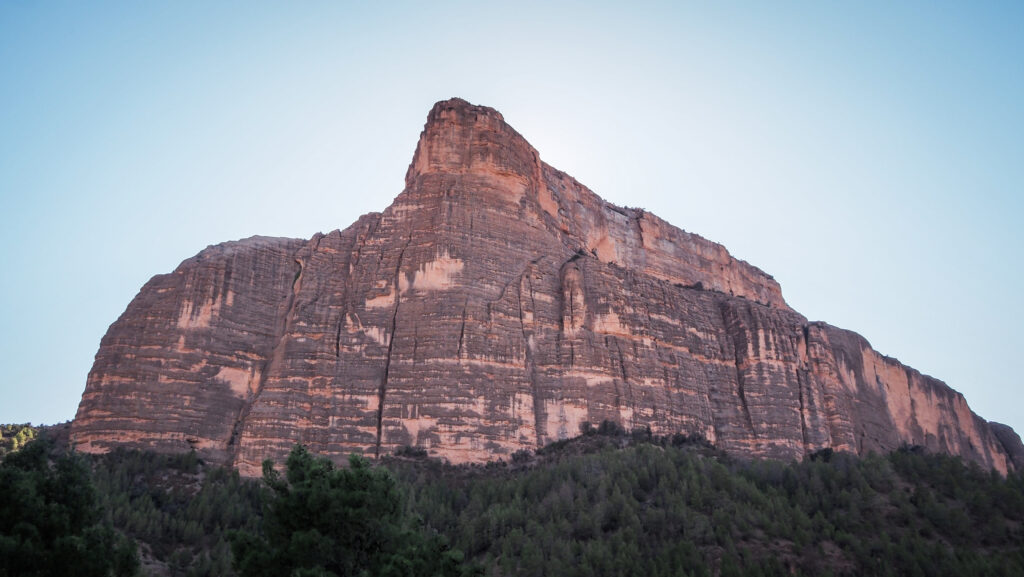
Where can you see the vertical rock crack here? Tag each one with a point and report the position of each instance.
(801, 380)
(531, 369)
(274, 360)
(382, 392)
(738, 359)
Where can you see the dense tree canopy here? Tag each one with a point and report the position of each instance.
(612, 503)
(326, 521)
(608, 502)
(50, 521)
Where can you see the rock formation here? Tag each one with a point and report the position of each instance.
(496, 305)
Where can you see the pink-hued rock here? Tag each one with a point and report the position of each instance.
(496, 305)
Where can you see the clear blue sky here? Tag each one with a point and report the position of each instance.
(869, 155)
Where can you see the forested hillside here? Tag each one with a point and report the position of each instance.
(656, 507)
(611, 503)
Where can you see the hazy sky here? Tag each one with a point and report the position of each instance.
(868, 155)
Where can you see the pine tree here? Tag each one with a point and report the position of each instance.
(326, 521)
(51, 519)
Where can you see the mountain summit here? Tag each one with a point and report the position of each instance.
(497, 305)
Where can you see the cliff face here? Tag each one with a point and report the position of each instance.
(496, 305)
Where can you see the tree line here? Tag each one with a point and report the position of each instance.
(608, 502)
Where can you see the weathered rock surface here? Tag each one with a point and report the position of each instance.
(496, 305)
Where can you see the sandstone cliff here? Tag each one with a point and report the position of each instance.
(496, 305)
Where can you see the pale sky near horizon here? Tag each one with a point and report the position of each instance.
(870, 156)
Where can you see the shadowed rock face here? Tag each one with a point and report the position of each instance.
(496, 305)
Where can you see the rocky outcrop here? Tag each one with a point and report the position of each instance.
(1011, 443)
(496, 305)
(180, 366)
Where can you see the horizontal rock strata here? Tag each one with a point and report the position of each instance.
(496, 305)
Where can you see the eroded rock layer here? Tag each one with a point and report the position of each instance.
(496, 305)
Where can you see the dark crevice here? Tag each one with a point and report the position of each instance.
(615, 382)
(337, 336)
(625, 378)
(274, 359)
(801, 380)
(740, 385)
(639, 229)
(531, 370)
(382, 392)
(622, 360)
(462, 330)
(733, 332)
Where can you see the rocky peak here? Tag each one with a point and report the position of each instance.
(497, 305)
(474, 144)
(469, 158)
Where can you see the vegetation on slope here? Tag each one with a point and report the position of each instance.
(328, 522)
(179, 509)
(50, 519)
(604, 503)
(654, 507)
(14, 437)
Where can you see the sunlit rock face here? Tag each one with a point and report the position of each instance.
(496, 305)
